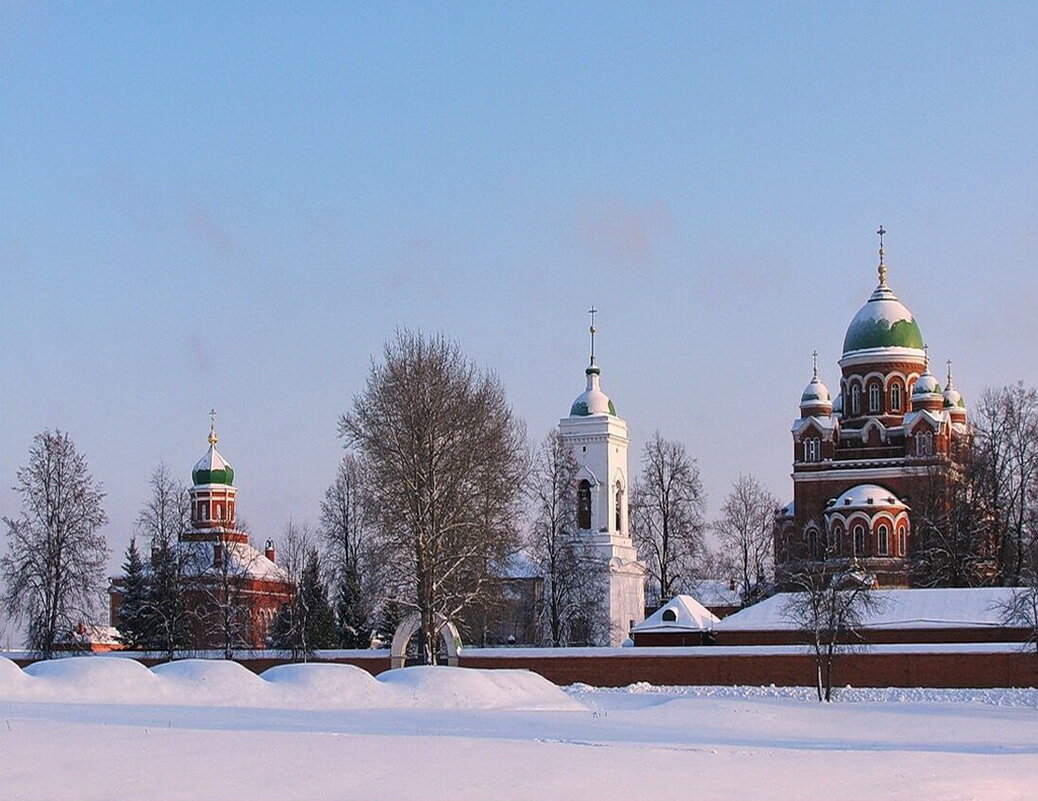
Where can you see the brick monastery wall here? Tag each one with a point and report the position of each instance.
(1015, 668)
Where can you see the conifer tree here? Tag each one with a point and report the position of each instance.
(307, 622)
(351, 618)
(134, 622)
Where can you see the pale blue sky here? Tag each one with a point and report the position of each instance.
(234, 205)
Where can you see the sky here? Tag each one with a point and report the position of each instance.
(233, 205)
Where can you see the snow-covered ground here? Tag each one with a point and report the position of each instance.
(101, 728)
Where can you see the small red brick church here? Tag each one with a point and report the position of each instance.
(233, 590)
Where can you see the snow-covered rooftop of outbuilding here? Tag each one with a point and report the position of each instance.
(690, 615)
(896, 609)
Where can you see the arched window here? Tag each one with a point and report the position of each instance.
(859, 540)
(874, 398)
(855, 400)
(924, 443)
(584, 504)
(884, 540)
(670, 616)
(895, 397)
(812, 449)
(812, 543)
(619, 506)
(838, 540)
(901, 541)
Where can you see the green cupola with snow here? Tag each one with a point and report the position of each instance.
(212, 468)
(884, 322)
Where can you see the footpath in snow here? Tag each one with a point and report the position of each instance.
(92, 728)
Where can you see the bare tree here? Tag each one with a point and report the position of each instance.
(829, 609)
(219, 576)
(54, 567)
(161, 520)
(667, 506)
(1006, 422)
(1021, 611)
(745, 532)
(348, 532)
(955, 544)
(572, 606)
(444, 457)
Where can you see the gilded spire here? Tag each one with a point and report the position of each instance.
(882, 262)
(212, 427)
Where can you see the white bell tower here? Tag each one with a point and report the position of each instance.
(599, 442)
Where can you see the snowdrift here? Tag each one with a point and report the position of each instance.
(201, 682)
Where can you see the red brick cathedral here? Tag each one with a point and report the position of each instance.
(864, 462)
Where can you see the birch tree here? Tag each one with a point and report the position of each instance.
(54, 566)
(445, 465)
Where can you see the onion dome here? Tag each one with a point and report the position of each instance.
(926, 394)
(926, 385)
(884, 321)
(815, 398)
(952, 397)
(212, 468)
(954, 403)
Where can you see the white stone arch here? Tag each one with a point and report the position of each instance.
(447, 631)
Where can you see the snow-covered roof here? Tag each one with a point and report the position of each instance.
(824, 423)
(896, 609)
(680, 613)
(866, 495)
(242, 560)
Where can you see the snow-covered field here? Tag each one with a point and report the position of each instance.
(104, 728)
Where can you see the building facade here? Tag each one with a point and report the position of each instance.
(866, 461)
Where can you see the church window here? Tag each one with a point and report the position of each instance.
(812, 450)
(812, 543)
(217, 513)
(924, 443)
(205, 510)
(619, 505)
(584, 504)
(884, 537)
(838, 540)
(874, 398)
(855, 399)
(901, 541)
(670, 616)
(859, 540)
(895, 398)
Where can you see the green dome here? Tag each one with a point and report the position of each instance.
(212, 469)
(883, 322)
